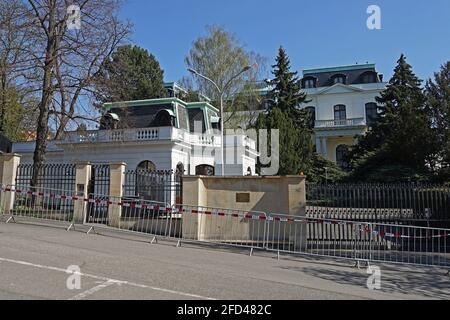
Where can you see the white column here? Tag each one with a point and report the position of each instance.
(324, 148)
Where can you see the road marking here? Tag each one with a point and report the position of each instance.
(105, 279)
(93, 290)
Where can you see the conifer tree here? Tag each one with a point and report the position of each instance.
(400, 145)
(438, 105)
(284, 114)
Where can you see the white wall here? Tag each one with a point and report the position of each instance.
(355, 102)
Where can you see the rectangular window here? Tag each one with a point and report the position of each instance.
(340, 113)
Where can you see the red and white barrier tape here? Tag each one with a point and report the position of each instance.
(246, 215)
(234, 214)
(129, 204)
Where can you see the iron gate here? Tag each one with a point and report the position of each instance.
(162, 186)
(99, 185)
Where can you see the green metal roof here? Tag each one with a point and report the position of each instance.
(149, 102)
(340, 68)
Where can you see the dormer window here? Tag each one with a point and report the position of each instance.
(369, 77)
(109, 121)
(339, 78)
(164, 118)
(309, 82)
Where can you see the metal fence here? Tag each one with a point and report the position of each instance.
(350, 240)
(160, 186)
(360, 241)
(306, 236)
(100, 179)
(99, 183)
(40, 203)
(422, 204)
(52, 176)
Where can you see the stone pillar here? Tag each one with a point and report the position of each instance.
(116, 181)
(82, 177)
(8, 170)
(295, 191)
(194, 194)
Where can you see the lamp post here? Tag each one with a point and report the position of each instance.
(221, 92)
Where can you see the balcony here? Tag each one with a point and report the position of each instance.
(333, 124)
(140, 135)
(161, 134)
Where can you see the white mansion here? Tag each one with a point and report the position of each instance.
(157, 134)
(342, 100)
(342, 103)
(171, 134)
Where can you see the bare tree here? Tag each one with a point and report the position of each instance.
(220, 56)
(67, 59)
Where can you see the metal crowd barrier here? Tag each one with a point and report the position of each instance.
(410, 245)
(180, 222)
(128, 214)
(39, 203)
(342, 239)
(317, 237)
(222, 226)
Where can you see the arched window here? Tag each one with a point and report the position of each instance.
(146, 165)
(340, 112)
(341, 156)
(249, 171)
(339, 78)
(371, 113)
(109, 121)
(312, 116)
(204, 170)
(148, 182)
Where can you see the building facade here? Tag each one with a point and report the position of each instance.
(158, 134)
(342, 104)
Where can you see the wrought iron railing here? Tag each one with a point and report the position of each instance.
(427, 204)
(56, 176)
(163, 186)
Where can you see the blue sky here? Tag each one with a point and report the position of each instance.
(316, 33)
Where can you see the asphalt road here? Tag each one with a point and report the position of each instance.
(34, 260)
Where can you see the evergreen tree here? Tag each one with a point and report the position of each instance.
(287, 90)
(438, 104)
(400, 145)
(325, 171)
(296, 146)
(132, 73)
(12, 115)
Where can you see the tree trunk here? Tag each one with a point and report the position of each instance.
(47, 94)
